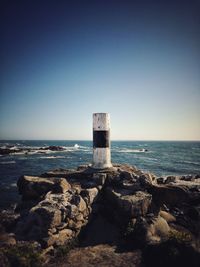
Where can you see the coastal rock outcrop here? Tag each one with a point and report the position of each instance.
(57, 207)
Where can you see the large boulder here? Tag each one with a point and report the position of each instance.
(128, 206)
(169, 194)
(176, 193)
(32, 187)
(150, 230)
(135, 205)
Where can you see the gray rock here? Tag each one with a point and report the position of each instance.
(79, 202)
(31, 187)
(146, 180)
(63, 237)
(167, 216)
(48, 217)
(126, 175)
(169, 194)
(188, 178)
(99, 178)
(170, 179)
(150, 231)
(82, 167)
(129, 205)
(89, 195)
(161, 180)
(135, 205)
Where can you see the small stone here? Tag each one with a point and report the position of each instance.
(145, 180)
(160, 180)
(189, 178)
(73, 211)
(170, 179)
(79, 202)
(126, 175)
(64, 236)
(61, 226)
(79, 217)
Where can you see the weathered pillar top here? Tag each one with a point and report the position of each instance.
(101, 121)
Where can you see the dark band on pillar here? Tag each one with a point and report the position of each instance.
(101, 139)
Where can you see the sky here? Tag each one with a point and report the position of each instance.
(61, 61)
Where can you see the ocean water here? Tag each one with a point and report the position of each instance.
(161, 158)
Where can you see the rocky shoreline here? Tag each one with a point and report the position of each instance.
(14, 150)
(119, 216)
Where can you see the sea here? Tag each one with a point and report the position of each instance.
(162, 158)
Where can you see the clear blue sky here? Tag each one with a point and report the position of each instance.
(63, 60)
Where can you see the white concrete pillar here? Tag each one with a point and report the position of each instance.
(101, 141)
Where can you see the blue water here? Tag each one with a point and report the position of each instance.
(161, 158)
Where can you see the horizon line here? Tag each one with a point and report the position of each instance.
(118, 140)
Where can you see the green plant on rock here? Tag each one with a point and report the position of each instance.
(22, 255)
(63, 250)
(180, 236)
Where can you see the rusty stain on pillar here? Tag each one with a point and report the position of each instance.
(101, 141)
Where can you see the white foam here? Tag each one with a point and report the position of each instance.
(76, 146)
(132, 150)
(52, 157)
(8, 162)
(190, 162)
(13, 148)
(19, 153)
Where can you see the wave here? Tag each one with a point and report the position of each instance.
(53, 157)
(8, 162)
(148, 159)
(13, 148)
(128, 150)
(18, 153)
(76, 146)
(190, 162)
